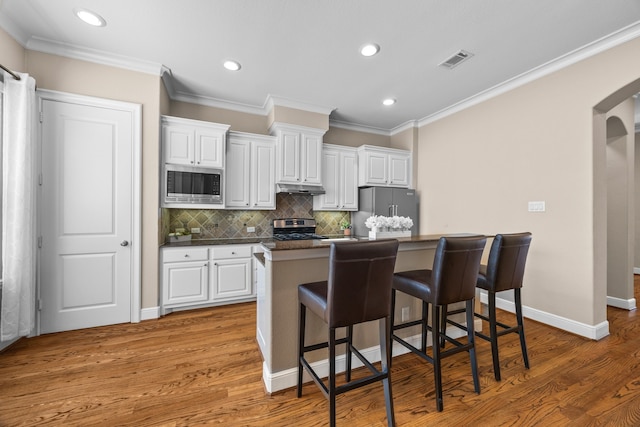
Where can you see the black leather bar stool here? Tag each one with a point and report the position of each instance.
(357, 290)
(452, 279)
(504, 271)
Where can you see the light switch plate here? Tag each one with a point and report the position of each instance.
(537, 206)
(195, 230)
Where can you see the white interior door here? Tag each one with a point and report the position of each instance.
(87, 255)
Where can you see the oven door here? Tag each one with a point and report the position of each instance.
(184, 184)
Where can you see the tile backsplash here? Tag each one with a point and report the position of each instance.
(232, 224)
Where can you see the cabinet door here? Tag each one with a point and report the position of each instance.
(399, 170)
(238, 173)
(311, 158)
(184, 282)
(209, 148)
(331, 182)
(178, 145)
(375, 168)
(349, 181)
(289, 157)
(263, 191)
(231, 279)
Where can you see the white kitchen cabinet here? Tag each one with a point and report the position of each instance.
(379, 166)
(231, 272)
(340, 179)
(185, 273)
(193, 142)
(204, 276)
(250, 172)
(299, 154)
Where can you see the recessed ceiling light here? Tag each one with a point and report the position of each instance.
(231, 65)
(369, 49)
(388, 101)
(90, 17)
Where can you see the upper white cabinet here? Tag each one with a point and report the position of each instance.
(193, 142)
(340, 177)
(250, 171)
(381, 166)
(299, 154)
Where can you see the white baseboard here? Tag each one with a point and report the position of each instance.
(626, 304)
(5, 344)
(275, 381)
(595, 332)
(150, 313)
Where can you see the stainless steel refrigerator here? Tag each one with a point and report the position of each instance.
(385, 201)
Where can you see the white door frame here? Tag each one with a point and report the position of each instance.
(136, 235)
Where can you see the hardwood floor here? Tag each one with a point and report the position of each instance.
(204, 367)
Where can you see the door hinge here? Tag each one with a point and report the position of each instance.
(41, 116)
(39, 242)
(39, 179)
(39, 305)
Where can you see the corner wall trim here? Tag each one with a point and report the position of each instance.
(150, 313)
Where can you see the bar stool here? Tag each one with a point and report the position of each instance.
(452, 280)
(504, 271)
(358, 289)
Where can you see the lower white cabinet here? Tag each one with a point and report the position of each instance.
(231, 272)
(185, 276)
(201, 276)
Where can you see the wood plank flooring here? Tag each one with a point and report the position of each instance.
(204, 367)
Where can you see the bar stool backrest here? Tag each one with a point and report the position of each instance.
(507, 258)
(359, 284)
(455, 268)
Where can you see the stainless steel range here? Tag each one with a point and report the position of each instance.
(295, 229)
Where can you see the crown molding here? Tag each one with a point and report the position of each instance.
(93, 55)
(209, 101)
(358, 128)
(623, 35)
(279, 101)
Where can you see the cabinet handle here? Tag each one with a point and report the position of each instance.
(206, 265)
(233, 253)
(191, 161)
(186, 255)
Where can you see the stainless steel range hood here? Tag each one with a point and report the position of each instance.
(312, 190)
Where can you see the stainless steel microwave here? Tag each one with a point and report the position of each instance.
(192, 185)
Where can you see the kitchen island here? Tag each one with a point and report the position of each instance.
(290, 263)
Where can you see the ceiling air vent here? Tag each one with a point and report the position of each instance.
(456, 59)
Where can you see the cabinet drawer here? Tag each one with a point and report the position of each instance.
(231, 252)
(185, 254)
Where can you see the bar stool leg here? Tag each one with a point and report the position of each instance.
(385, 360)
(332, 377)
(523, 343)
(348, 353)
(437, 368)
(301, 327)
(493, 334)
(424, 326)
(472, 350)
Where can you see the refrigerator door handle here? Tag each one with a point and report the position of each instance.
(390, 210)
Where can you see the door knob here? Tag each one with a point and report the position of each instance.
(124, 243)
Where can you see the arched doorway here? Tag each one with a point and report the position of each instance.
(620, 209)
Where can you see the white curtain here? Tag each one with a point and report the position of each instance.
(19, 170)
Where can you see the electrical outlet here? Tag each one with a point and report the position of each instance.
(406, 311)
(195, 230)
(251, 229)
(180, 230)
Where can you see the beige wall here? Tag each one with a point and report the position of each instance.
(240, 122)
(354, 138)
(13, 55)
(636, 168)
(477, 170)
(84, 78)
(293, 116)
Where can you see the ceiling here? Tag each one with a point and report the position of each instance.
(306, 52)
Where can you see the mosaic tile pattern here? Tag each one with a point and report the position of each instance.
(232, 224)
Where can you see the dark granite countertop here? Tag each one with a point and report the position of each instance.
(209, 242)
